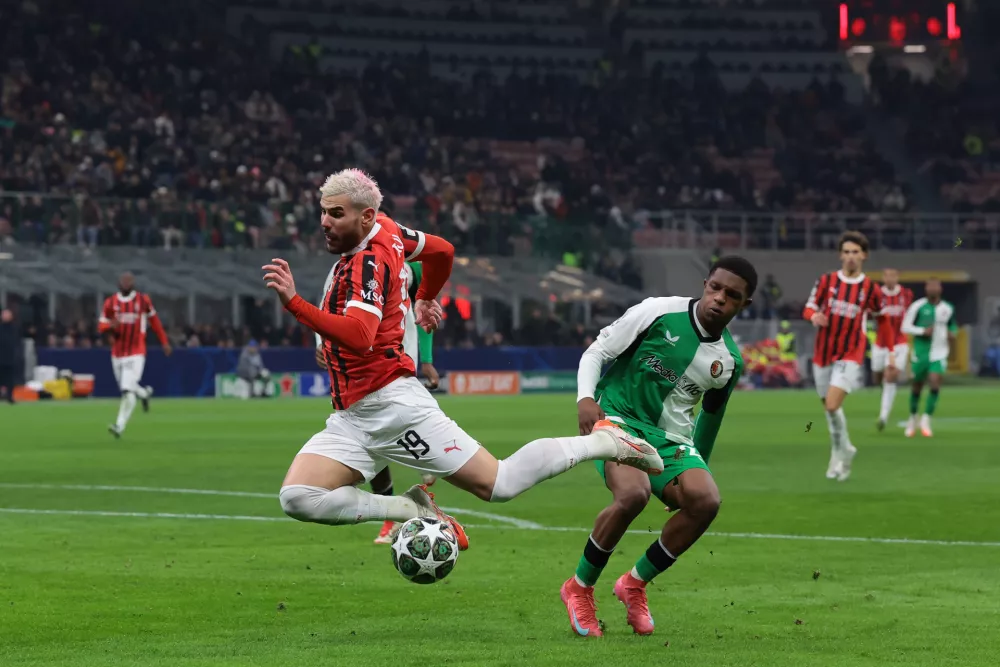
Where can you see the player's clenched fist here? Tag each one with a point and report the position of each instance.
(589, 413)
(279, 278)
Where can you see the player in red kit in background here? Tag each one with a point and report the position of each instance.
(837, 307)
(125, 317)
(383, 413)
(891, 353)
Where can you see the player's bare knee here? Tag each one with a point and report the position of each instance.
(631, 502)
(703, 504)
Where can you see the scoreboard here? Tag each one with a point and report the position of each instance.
(898, 21)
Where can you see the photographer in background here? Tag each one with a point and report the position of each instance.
(11, 353)
(250, 368)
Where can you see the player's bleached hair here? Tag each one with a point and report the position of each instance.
(360, 188)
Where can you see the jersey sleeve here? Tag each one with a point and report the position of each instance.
(154, 321)
(876, 300)
(952, 322)
(613, 340)
(425, 346)
(909, 326)
(817, 297)
(435, 254)
(713, 409)
(107, 315)
(369, 281)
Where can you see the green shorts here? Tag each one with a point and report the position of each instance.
(921, 368)
(676, 458)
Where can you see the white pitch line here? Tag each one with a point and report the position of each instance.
(520, 523)
(548, 529)
(137, 489)
(140, 515)
(499, 518)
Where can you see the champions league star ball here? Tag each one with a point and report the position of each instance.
(424, 550)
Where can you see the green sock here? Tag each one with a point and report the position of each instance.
(914, 402)
(932, 399)
(654, 562)
(592, 562)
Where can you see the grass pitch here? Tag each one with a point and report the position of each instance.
(160, 574)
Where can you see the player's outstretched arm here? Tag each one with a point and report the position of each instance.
(354, 331)
(437, 257)
(157, 325)
(709, 420)
(909, 320)
(613, 340)
(107, 321)
(813, 312)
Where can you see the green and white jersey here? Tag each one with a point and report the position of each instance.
(664, 364)
(923, 314)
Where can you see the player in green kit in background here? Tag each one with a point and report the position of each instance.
(931, 323)
(667, 354)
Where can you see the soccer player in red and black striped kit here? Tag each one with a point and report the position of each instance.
(125, 317)
(891, 352)
(838, 306)
(383, 413)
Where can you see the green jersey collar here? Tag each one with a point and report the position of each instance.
(703, 335)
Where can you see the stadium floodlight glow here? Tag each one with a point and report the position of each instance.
(914, 48)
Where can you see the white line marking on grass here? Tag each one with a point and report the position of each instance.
(547, 529)
(140, 515)
(524, 524)
(519, 523)
(137, 489)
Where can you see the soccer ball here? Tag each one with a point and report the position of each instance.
(424, 550)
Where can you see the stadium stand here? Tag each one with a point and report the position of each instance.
(566, 134)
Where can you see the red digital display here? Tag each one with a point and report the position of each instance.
(898, 21)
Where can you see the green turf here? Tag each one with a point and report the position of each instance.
(108, 590)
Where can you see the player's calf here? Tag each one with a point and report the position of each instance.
(499, 481)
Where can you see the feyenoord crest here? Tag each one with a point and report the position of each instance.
(716, 368)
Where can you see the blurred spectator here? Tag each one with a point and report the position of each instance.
(11, 355)
(251, 370)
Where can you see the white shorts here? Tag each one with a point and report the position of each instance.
(844, 375)
(883, 356)
(128, 371)
(400, 423)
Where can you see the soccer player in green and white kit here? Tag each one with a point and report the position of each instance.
(667, 354)
(419, 346)
(931, 323)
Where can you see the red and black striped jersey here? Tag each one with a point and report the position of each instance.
(889, 330)
(846, 303)
(127, 318)
(373, 279)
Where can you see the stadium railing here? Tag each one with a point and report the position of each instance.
(39, 219)
(731, 230)
(35, 219)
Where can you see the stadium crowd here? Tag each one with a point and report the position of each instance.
(196, 139)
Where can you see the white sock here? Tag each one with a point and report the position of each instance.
(833, 425)
(888, 396)
(844, 438)
(141, 391)
(345, 505)
(125, 409)
(543, 459)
